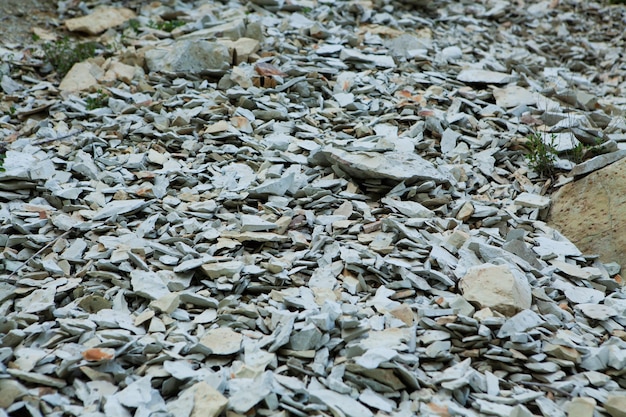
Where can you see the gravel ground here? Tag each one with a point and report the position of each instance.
(19, 16)
(308, 208)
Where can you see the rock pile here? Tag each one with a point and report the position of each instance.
(311, 208)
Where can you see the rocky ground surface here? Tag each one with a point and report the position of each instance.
(294, 208)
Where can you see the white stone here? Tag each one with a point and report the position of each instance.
(532, 200)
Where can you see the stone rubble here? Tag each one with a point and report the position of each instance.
(313, 208)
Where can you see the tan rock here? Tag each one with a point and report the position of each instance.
(222, 341)
(100, 20)
(404, 313)
(615, 405)
(11, 392)
(166, 304)
(591, 212)
(83, 76)
(562, 352)
(466, 211)
(498, 287)
(242, 47)
(120, 71)
(207, 401)
(581, 407)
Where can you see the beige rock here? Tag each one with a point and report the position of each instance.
(11, 391)
(167, 304)
(241, 77)
(562, 352)
(83, 76)
(241, 49)
(615, 405)
(581, 407)
(591, 212)
(466, 211)
(207, 401)
(120, 71)
(100, 20)
(498, 287)
(404, 313)
(222, 341)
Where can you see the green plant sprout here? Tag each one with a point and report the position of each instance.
(134, 25)
(167, 25)
(541, 154)
(100, 100)
(3, 155)
(63, 54)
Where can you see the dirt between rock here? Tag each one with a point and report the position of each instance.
(18, 17)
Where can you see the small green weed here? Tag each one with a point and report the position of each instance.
(577, 153)
(3, 154)
(100, 100)
(134, 25)
(541, 154)
(166, 25)
(584, 151)
(63, 54)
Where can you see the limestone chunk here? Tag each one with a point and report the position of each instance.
(499, 287)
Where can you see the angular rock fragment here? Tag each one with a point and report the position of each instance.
(100, 20)
(391, 165)
(190, 56)
(498, 287)
(222, 341)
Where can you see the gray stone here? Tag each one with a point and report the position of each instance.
(391, 165)
(148, 284)
(190, 56)
(410, 209)
(306, 338)
(597, 311)
(119, 207)
(580, 295)
(246, 392)
(519, 323)
(250, 223)
(354, 55)
(375, 400)
(277, 186)
(597, 163)
(348, 406)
